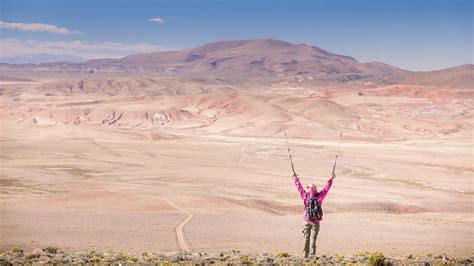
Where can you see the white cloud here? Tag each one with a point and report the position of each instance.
(35, 27)
(156, 20)
(84, 49)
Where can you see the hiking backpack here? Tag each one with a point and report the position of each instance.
(314, 210)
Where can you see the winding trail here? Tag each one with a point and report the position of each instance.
(182, 242)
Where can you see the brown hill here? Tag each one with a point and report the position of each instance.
(251, 58)
(461, 77)
(260, 60)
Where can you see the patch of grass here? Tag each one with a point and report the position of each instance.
(246, 259)
(376, 259)
(32, 256)
(95, 259)
(16, 250)
(340, 258)
(362, 254)
(90, 252)
(282, 255)
(51, 250)
(126, 257)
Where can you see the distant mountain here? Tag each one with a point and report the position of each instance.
(260, 59)
(40, 58)
(454, 77)
(251, 58)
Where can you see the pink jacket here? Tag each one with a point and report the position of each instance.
(304, 196)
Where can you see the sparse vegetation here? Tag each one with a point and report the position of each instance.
(51, 250)
(282, 255)
(95, 259)
(340, 258)
(32, 256)
(247, 259)
(53, 255)
(16, 250)
(376, 259)
(126, 257)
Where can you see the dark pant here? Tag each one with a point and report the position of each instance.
(310, 232)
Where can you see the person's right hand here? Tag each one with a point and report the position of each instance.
(333, 176)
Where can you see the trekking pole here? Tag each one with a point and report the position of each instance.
(338, 145)
(289, 152)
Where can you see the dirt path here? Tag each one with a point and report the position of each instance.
(183, 244)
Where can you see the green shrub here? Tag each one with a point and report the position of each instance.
(32, 256)
(246, 259)
(282, 255)
(16, 250)
(340, 258)
(51, 250)
(376, 259)
(95, 259)
(126, 257)
(362, 254)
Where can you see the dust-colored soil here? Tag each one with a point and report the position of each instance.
(161, 164)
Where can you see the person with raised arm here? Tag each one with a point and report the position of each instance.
(313, 212)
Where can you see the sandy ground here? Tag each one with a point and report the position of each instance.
(403, 185)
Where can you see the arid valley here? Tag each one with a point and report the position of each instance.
(191, 154)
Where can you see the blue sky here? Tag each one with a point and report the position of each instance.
(414, 35)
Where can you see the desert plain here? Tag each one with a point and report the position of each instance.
(147, 162)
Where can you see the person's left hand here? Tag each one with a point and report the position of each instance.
(295, 176)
